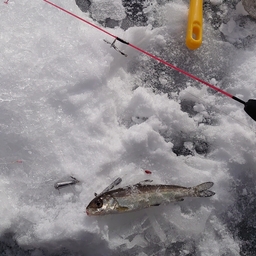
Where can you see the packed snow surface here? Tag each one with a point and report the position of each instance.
(71, 105)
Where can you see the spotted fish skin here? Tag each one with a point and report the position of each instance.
(140, 196)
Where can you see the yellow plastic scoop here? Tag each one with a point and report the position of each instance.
(195, 24)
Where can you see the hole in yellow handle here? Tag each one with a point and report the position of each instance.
(194, 35)
(196, 32)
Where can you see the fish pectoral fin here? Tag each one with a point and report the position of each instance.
(122, 208)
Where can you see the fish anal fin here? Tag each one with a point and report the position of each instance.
(154, 204)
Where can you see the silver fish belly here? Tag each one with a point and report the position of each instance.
(138, 196)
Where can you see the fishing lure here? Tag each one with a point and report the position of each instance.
(62, 184)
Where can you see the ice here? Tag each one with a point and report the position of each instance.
(73, 106)
(113, 9)
(227, 245)
(216, 2)
(236, 30)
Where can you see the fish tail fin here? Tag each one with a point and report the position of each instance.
(201, 190)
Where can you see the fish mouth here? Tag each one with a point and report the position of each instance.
(88, 212)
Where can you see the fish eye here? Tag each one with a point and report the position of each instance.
(99, 203)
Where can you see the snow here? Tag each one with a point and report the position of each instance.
(71, 105)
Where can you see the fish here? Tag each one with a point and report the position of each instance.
(141, 196)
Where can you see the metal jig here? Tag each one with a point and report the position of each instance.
(61, 184)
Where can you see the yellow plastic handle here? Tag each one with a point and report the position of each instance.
(195, 24)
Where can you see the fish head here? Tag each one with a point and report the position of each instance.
(102, 205)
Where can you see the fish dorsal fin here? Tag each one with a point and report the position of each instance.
(112, 185)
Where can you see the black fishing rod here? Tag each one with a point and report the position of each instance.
(249, 106)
